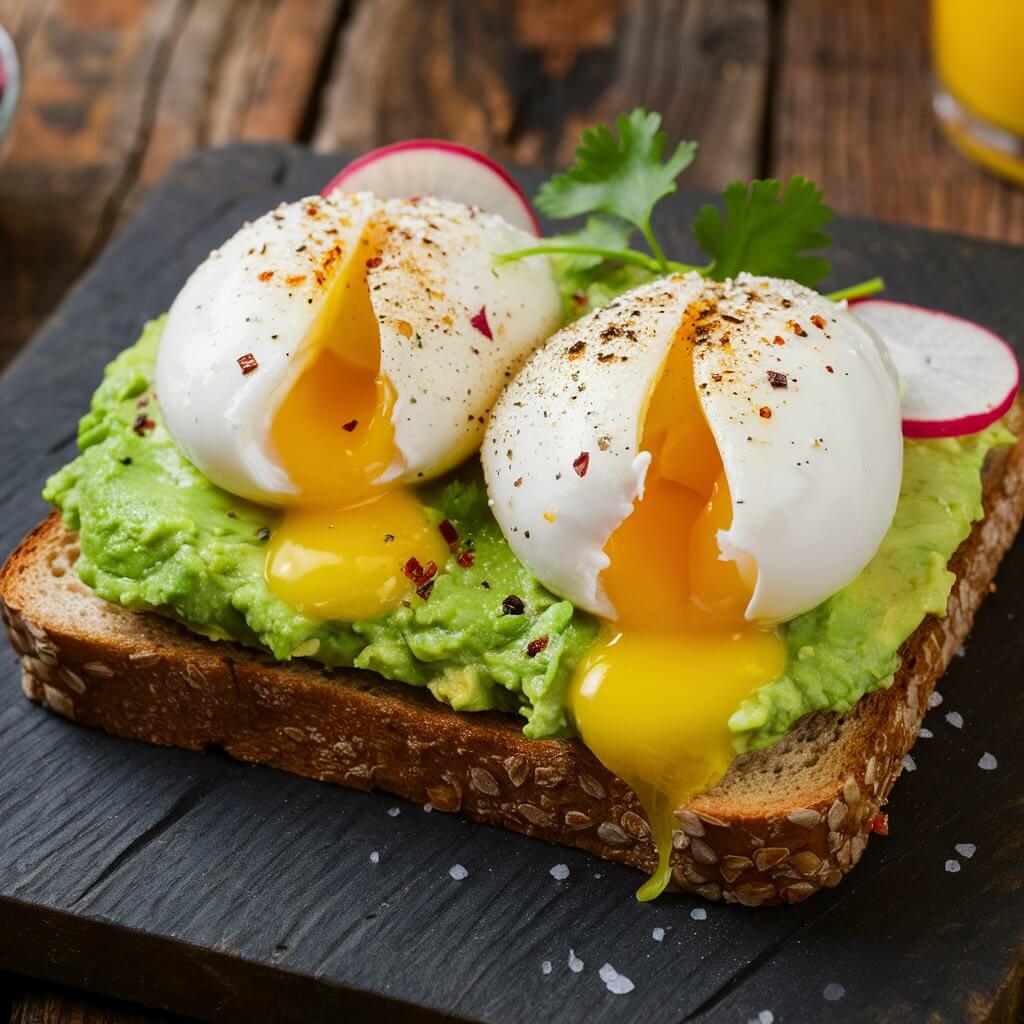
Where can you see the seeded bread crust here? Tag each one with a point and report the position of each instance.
(782, 823)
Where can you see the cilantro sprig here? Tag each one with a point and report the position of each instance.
(617, 179)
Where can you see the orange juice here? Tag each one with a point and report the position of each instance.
(978, 48)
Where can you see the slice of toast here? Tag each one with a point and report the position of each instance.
(782, 823)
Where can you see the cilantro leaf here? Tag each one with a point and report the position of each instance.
(766, 231)
(580, 273)
(623, 177)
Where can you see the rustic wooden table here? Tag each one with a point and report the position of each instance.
(118, 90)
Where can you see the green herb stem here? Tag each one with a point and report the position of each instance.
(858, 291)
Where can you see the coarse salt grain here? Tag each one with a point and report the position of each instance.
(428, 808)
(833, 991)
(375, 857)
(575, 963)
(952, 866)
(458, 872)
(699, 914)
(764, 1017)
(988, 762)
(934, 699)
(617, 984)
(925, 734)
(394, 812)
(560, 872)
(545, 967)
(955, 719)
(967, 850)
(658, 934)
(909, 764)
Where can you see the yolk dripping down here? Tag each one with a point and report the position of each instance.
(652, 699)
(340, 549)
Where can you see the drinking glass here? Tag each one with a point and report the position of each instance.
(10, 83)
(978, 54)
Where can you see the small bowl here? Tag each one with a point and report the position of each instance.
(10, 85)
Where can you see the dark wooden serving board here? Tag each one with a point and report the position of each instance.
(238, 893)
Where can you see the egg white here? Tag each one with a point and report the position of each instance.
(814, 485)
(261, 293)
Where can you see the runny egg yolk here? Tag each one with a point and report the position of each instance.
(653, 697)
(350, 547)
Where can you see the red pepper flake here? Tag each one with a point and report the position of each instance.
(792, 325)
(466, 559)
(581, 464)
(880, 824)
(829, 368)
(266, 275)
(536, 645)
(576, 350)
(779, 340)
(374, 261)
(247, 363)
(419, 574)
(479, 321)
(450, 534)
(513, 605)
(764, 412)
(425, 589)
(294, 280)
(777, 380)
(350, 426)
(142, 424)
(818, 321)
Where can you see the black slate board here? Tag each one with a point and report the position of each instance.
(239, 893)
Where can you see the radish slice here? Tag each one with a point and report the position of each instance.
(959, 377)
(433, 167)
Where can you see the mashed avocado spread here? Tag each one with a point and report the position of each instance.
(156, 534)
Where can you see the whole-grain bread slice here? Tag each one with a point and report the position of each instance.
(782, 823)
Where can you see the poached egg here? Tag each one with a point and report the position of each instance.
(333, 354)
(695, 463)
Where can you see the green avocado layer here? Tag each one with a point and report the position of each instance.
(156, 534)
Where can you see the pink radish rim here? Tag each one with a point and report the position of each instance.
(964, 424)
(451, 147)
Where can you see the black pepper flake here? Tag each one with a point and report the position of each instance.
(576, 349)
(142, 424)
(389, 538)
(263, 533)
(829, 368)
(485, 585)
(513, 605)
(425, 589)
(730, 318)
(350, 426)
(232, 514)
(126, 461)
(536, 645)
(777, 380)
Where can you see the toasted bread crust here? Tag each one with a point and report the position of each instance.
(746, 841)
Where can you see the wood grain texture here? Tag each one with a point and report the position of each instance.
(852, 111)
(242, 894)
(115, 92)
(37, 1004)
(521, 80)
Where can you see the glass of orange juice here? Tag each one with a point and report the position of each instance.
(978, 50)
